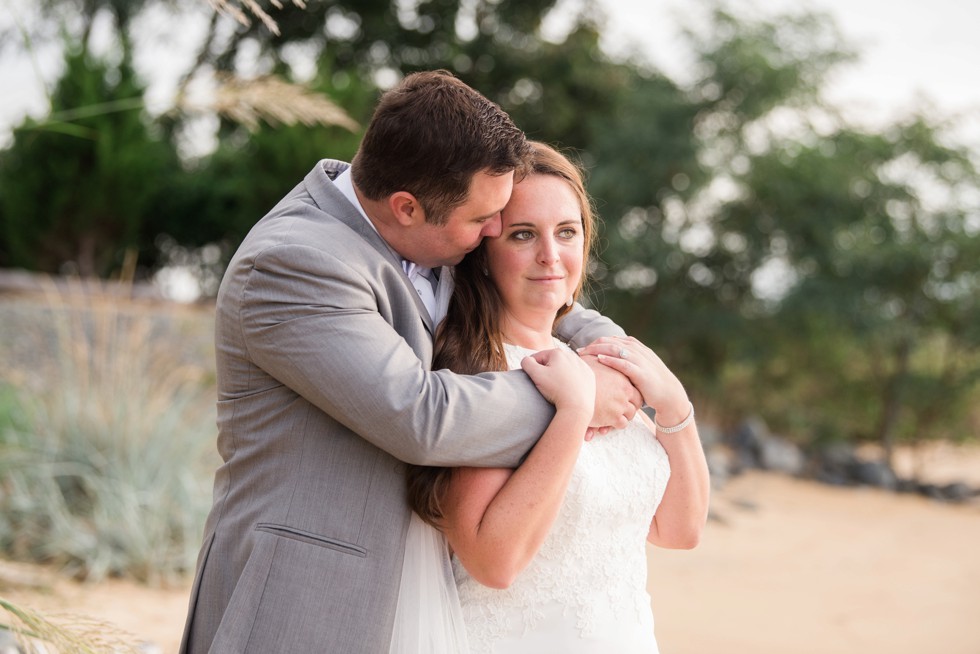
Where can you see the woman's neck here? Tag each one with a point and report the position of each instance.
(527, 332)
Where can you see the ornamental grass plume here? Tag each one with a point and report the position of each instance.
(45, 634)
(273, 99)
(253, 7)
(270, 98)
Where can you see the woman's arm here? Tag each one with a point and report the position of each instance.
(683, 511)
(496, 519)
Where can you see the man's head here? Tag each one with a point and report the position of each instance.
(429, 137)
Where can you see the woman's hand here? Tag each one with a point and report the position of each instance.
(562, 378)
(683, 511)
(659, 386)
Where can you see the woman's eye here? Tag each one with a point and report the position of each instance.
(522, 235)
(568, 232)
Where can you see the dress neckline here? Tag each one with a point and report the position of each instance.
(556, 342)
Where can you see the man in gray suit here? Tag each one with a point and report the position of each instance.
(324, 337)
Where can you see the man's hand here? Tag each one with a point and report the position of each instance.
(616, 399)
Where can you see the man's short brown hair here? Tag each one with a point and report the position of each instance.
(429, 136)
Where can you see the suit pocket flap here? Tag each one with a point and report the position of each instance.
(311, 538)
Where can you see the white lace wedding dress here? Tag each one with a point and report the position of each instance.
(585, 591)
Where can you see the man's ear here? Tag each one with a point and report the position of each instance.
(406, 209)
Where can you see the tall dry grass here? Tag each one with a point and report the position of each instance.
(36, 633)
(240, 9)
(107, 434)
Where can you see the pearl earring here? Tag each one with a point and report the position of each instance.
(571, 300)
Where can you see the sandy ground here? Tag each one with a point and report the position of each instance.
(798, 567)
(786, 566)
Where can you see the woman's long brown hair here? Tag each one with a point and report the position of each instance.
(469, 340)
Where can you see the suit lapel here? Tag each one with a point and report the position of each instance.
(319, 184)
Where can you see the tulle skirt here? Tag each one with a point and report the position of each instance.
(428, 619)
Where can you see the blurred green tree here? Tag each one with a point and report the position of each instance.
(759, 242)
(877, 241)
(678, 275)
(76, 189)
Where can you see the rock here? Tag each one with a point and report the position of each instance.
(747, 441)
(754, 446)
(781, 455)
(905, 485)
(711, 437)
(957, 492)
(931, 490)
(720, 466)
(834, 478)
(834, 464)
(838, 456)
(875, 473)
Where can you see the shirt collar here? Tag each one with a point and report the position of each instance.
(345, 185)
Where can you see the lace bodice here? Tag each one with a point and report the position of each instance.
(591, 571)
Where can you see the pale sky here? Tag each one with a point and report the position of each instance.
(908, 48)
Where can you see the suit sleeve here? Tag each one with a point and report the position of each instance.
(316, 326)
(581, 326)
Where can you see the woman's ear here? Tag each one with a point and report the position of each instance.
(406, 209)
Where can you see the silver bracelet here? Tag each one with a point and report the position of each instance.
(676, 428)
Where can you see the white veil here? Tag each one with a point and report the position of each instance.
(428, 619)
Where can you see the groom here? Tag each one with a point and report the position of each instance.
(324, 335)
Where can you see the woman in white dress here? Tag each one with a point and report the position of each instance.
(551, 557)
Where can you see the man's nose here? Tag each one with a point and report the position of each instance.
(492, 228)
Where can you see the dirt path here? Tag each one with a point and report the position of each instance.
(789, 566)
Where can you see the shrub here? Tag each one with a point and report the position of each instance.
(108, 448)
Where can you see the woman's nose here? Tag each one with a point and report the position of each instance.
(548, 252)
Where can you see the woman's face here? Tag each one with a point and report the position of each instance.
(536, 262)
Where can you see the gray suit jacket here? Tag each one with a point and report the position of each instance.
(324, 387)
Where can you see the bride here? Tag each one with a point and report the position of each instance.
(549, 557)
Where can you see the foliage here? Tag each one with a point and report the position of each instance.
(75, 189)
(212, 205)
(874, 236)
(106, 466)
(99, 176)
(782, 256)
(784, 262)
(663, 160)
(363, 36)
(751, 67)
